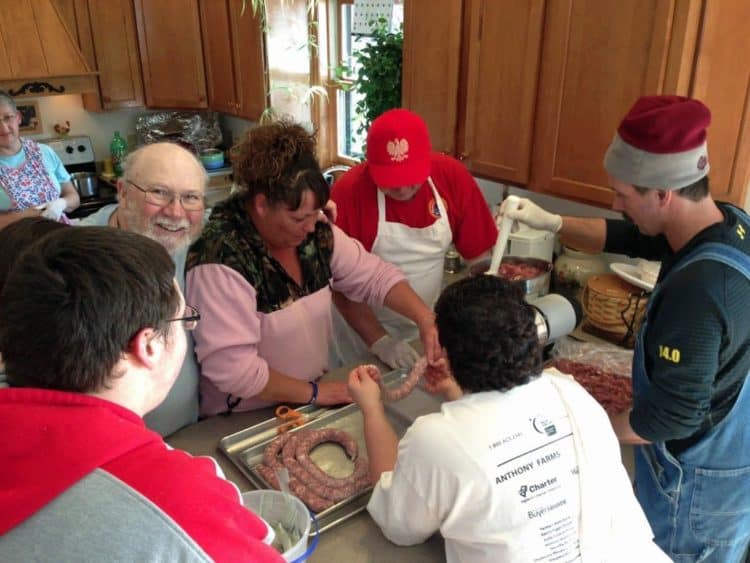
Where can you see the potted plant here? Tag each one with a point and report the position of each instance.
(375, 74)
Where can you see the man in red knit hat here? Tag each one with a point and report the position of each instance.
(406, 204)
(692, 354)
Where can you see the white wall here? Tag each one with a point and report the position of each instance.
(99, 126)
(493, 194)
(493, 191)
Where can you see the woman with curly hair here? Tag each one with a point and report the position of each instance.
(520, 464)
(262, 276)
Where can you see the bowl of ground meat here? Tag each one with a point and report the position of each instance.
(533, 274)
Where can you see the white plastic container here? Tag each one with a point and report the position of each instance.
(277, 507)
(531, 243)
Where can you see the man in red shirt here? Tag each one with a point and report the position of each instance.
(406, 204)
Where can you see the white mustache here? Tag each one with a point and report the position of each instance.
(173, 226)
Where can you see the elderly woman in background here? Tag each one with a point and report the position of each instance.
(33, 181)
(262, 276)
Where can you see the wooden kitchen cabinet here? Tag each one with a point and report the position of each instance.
(169, 38)
(116, 54)
(472, 74)
(431, 66)
(597, 59)
(541, 85)
(502, 67)
(234, 58)
(722, 81)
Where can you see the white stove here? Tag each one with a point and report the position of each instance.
(76, 152)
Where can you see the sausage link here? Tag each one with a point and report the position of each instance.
(406, 387)
(313, 501)
(271, 453)
(268, 475)
(330, 435)
(312, 485)
(346, 488)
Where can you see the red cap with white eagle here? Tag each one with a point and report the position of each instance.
(398, 149)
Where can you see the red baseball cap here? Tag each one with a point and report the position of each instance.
(398, 149)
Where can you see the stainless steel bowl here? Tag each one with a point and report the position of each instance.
(534, 287)
(85, 183)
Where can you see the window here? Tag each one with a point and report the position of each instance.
(350, 142)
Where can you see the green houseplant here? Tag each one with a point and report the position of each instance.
(376, 74)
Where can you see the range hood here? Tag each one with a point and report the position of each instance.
(38, 55)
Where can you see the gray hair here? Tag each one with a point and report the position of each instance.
(7, 99)
(132, 158)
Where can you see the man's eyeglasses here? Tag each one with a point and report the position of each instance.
(8, 119)
(190, 318)
(163, 197)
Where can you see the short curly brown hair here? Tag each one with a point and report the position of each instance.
(489, 335)
(278, 160)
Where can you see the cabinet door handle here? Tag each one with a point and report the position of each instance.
(462, 156)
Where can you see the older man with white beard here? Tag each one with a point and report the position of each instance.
(161, 195)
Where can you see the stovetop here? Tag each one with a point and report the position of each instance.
(73, 151)
(107, 195)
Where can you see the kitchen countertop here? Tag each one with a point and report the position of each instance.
(358, 540)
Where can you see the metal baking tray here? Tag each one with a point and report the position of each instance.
(245, 448)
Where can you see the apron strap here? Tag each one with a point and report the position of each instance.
(718, 252)
(435, 194)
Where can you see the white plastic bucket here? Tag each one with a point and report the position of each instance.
(277, 507)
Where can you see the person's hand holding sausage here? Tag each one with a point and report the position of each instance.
(438, 380)
(364, 388)
(429, 336)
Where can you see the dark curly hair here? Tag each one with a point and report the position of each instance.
(488, 332)
(278, 160)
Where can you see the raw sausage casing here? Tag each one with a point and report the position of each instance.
(310, 483)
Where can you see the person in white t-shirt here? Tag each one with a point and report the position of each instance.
(520, 464)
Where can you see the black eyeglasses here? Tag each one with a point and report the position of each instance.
(190, 318)
(162, 197)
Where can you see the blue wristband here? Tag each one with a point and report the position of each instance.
(314, 393)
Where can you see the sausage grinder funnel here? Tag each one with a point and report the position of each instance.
(556, 316)
(502, 236)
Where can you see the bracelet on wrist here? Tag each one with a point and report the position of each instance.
(314, 396)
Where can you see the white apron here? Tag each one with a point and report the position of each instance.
(420, 254)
